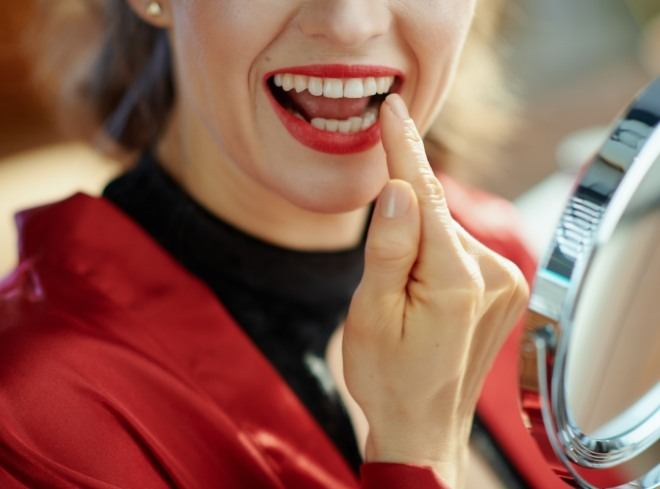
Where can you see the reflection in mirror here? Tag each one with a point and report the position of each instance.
(613, 363)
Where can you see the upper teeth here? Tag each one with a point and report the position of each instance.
(335, 87)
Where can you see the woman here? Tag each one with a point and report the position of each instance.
(194, 327)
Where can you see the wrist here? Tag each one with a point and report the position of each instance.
(445, 451)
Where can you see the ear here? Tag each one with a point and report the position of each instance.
(158, 13)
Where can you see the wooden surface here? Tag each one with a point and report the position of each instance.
(24, 120)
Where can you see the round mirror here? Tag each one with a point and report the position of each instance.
(590, 359)
(616, 320)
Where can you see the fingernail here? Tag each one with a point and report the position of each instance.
(398, 106)
(395, 200)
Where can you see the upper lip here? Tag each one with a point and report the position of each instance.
(338, 71)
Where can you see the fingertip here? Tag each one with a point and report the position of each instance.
(393, 112)
(390, 125)
(395, 120)
(398, 107)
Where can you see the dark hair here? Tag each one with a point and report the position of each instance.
(116, 75)
(105, 69)
(132, 86)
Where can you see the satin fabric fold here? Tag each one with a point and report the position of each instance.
(120, 369)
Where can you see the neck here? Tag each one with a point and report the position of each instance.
(198, 165)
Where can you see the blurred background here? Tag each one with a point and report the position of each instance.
(573, 66)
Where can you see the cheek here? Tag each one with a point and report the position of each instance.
(435, 33)
(220, 40)
(217, 43)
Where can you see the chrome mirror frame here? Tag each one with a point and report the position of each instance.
(599, 198)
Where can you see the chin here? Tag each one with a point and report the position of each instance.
(337, 195)
(319, 182)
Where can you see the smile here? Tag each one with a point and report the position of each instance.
(332, 108)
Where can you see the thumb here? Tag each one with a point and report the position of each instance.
(392, 240)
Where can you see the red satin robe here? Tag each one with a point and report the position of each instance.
(119, 369)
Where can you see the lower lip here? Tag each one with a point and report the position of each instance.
(325, 141)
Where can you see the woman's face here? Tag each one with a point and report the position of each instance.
(335, 53)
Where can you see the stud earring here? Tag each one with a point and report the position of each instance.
(154, 9)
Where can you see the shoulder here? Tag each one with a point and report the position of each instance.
(85, 406)
(95, 377)
(64, 383)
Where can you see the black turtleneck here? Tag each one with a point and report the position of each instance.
(288, 301)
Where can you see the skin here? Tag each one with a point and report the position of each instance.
(221, 142)
(434, 305)
(430, 314)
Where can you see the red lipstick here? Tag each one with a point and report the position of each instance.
(328, 141)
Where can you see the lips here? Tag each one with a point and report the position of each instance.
(331, 108)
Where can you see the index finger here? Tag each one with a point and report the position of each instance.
(407, 160)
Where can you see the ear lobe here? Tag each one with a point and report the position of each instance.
(154, 12)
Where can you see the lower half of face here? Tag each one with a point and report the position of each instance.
(289, 91)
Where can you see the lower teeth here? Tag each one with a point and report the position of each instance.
(345, 126)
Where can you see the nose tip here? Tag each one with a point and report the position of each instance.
(344, 22)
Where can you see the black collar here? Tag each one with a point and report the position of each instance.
(217, 251)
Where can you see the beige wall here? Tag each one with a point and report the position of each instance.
(39, 176)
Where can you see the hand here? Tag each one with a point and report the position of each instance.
(431, 312)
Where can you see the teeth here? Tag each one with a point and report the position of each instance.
(356, 124)
(287, 82)
(369, 119)
(318, 123)
(300, 83)
(384, 83)
(335, 87)
(370, 86)
(346, 126)
(331, 125)
(315, 86)
(353, 88)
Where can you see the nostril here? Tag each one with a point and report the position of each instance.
(343, 37)
(347, 24)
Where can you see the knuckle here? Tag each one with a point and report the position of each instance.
(477, 284)
(411, 134)
(506, 286)
(521, 290)
(505, 273)
(512, 284)
(426, 180)
(515, 278)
